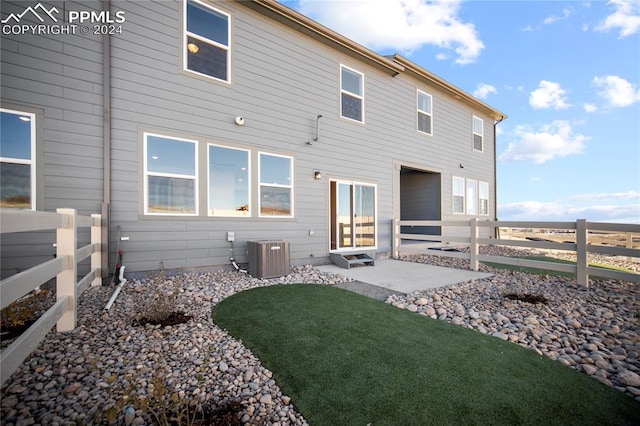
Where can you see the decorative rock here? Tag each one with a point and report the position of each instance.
(500, 335)
(629, 378)
(266, 399)
(223, 367)
(422, 301)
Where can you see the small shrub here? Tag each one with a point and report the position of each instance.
(524, 294)
(158, 306)
(19, 315)
(164, 406)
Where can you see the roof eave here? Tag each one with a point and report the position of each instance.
(420, 73)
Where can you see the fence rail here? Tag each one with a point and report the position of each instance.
(470, 229)
(64, 268)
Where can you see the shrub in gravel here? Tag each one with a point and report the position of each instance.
(158, 306)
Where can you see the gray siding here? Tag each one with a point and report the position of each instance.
(60, 78)
(281, 80)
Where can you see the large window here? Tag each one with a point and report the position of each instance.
(424, 112)
(17, 159)
(229, 182)
(472, 196)
(170, 175)
(483, 196)
(206, 40)
(458, 194)
(276, 185)
(351, 94)
(478, 133)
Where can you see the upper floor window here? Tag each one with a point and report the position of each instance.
(229, 182)
(206, 41)
(478, 132)
(424, 112)
(170, 168)
(351, 94)
(17, 159)
(458, 191)
(276, 185)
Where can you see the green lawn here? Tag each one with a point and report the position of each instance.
(346, 359)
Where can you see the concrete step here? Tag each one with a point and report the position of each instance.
(347, 260)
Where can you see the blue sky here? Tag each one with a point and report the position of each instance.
(567, 73)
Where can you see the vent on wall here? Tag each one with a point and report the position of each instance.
(268, 259)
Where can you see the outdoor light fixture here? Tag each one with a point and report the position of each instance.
(193, 48)
(317, 174)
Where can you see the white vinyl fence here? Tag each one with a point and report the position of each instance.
(466, 233)
(64, 268)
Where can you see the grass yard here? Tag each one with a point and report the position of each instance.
(346, 359)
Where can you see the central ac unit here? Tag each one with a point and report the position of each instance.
(268, 259)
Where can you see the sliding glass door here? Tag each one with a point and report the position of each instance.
(353, 215)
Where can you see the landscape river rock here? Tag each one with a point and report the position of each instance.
(91, 375)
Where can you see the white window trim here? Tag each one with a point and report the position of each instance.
(473, 143)
(430, 114)
(361, 97)
(273, 185)
(480, 185)
(248, 152)
(463, 195)
(146, 173)
(31, 162)
(186, 34)
(353, 183)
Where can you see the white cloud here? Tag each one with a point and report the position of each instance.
(550, 211)
(404, 25)
(553, 140)
(483, 90)
(589, 107)
(626, 18)
(566, 12)
(548, 95)
(628, 195)
(616, 90)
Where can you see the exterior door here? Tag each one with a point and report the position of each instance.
(353, 215)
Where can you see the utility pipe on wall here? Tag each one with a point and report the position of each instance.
(106, 144)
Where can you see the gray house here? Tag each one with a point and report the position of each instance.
(188, 123)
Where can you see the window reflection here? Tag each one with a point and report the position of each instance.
(228, 182)
(17, 142)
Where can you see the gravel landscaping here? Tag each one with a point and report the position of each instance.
(95, 374)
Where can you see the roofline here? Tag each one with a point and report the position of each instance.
(456, 92)
(392, 65)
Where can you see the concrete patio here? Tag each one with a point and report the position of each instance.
(390, 276)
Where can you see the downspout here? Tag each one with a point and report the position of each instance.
(495, 176)
(106, 145)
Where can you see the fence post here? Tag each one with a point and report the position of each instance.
(581, 252)
(473, 244)
(67, 242)
(96, 258)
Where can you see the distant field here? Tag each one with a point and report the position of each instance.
(599, 238)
